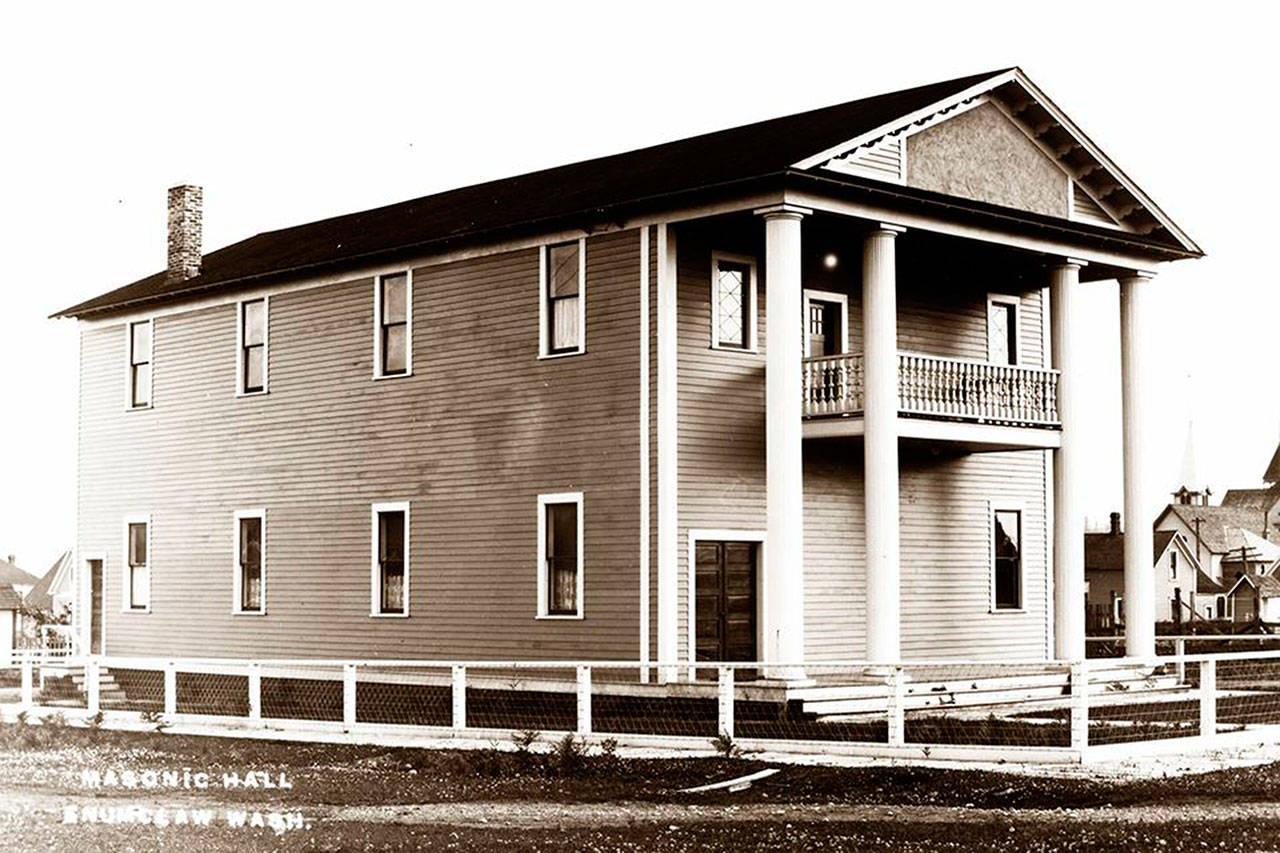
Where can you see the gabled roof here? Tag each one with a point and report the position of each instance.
(1267, 586)
(1206, 585)
(1105, 551)
(9, 598)
(41, 595)
(12, 575)
(1255, 499)
(1272, 474)
(1220, 526)
(599, 192)
(1259, 550)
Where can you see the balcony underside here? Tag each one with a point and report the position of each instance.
(974, 437)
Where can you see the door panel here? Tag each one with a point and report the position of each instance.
(726, 602)
(95, 607)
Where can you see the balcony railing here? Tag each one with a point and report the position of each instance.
(934, 387)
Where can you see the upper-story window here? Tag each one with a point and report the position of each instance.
(733, 302)
(1002, 329)
(393, 325)
(140, 364)
(252, 357)
(1006, 556)
(250, 576)
(564, 286)
(390, 570)
(137, 548)
(1173, 565)
(560, 555)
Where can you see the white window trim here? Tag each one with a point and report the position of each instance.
(237, 580)
(128, 366)
(543, 501)
(1006, 506)
(266, 346)
(408, 326)
(1016, 302)
(842, 299)
(544, 318)
(375, 575)
(753, 344)
(134, 518)
(691, 587)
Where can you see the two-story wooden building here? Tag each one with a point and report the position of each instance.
(796, 391)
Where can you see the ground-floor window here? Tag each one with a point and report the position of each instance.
(390, 571)
(250, 550)
(560, 555)
(137, 580)
(1006, 559)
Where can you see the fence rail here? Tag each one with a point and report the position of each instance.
(933, 386)
(1049, 711)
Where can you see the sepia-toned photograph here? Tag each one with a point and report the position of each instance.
(658, 427)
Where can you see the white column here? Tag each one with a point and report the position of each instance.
(1068, 511)
(880, 443)
(1139, 576)
(783, 615)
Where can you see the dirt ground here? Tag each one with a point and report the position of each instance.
(70, 790)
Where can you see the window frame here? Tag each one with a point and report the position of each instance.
(130, 406)
(544, 301)
(994, 507)
(749, 314)
(126, 596)
(237, 574)
(375, 569)
(378, 372)
(1015, 332)
(242, 389)
(1173, 564)
(543, 580)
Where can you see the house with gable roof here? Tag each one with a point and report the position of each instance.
(802, 390)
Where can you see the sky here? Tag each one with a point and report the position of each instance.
(290, 112)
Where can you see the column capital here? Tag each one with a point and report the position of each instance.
(1138, 275)
(783, 211)
(887, 228)
(1078, 263)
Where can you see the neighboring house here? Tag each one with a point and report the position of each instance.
(1216, 533)
(1255, 597)
(527, 419)
(10, 575)
(10, 618)
(1177, 583)
(55, 593)
(1263, 502)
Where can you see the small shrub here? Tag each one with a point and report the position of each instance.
(724, 744)
(609, 747)
(525, 739)
(569, 753)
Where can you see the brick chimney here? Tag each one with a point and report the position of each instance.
(1115, 524)
(185, 217)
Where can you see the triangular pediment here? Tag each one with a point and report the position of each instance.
(1002, 142)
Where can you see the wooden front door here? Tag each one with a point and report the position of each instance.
(726, 601)
(95, 607)
(825, 328)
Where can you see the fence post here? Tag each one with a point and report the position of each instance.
(724, 701)
(1079, 706)
(896, 712)
(92, 686)
(170, 689)
(584, 700)
(1208, 698)
(255, 691)
(459, 691)
(1180, 652)
(348, 696)
(28, 695)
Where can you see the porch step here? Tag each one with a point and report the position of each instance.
(108, 688)
(846, 700)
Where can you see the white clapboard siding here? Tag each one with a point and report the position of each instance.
(883, 160)
(1085, 209)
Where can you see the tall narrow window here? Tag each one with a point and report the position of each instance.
(391, 559)
(1002, 329)
(140, 364)
(562, 276)
(137, 592)
(1173, 565)
(733, 299)
(1007, 582)
(250, 579)
(394, 312)
(253, 346)
(560, 555)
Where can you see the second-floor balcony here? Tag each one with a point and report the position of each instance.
(940, 389)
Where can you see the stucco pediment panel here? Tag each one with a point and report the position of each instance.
(981, 155)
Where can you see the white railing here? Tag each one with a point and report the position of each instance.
(936, 387)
